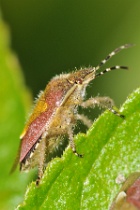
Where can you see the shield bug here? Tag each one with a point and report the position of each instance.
(55, 114)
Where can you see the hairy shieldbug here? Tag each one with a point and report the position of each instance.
(55, 114)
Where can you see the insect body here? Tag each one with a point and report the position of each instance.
(55, 114)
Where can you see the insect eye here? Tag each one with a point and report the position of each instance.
(78, 81)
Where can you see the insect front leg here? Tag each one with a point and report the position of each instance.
(102, 102)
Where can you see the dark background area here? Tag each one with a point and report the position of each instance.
(51, 37)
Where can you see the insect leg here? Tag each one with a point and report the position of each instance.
(102, 102)
(41, 159)
(84, 119)
(72, 144)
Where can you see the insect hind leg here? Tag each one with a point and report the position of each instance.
(40, 156)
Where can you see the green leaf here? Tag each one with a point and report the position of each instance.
(14, 100)
(111, 147)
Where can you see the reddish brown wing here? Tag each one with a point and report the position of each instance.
(40, 120)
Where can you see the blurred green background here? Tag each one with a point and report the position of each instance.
(51, 37)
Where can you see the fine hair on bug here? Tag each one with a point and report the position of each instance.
(56, 112)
